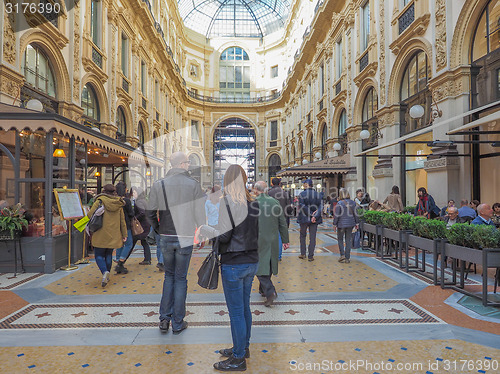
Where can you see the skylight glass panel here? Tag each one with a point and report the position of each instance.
(253, 18)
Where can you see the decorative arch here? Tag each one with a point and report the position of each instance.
(336, 119)
(235, 115)
(145, 128)
(128, 115)
(273, 163)
(101, 95)
(319, 134)
(294, 154)
(300, 148)
(360, 98)
(310, 145)
(53, 52)
(464, 32)
(402, 60)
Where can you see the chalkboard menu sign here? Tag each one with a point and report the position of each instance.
(69, 203)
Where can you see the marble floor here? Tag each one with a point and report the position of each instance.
(367, 316)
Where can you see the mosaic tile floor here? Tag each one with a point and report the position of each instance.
(362, 317)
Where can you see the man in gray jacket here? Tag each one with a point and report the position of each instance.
(345, 218)
(176, 209)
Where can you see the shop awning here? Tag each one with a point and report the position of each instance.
(12, 117)
(478, 122)
(323, 168)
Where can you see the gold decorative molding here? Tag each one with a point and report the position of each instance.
(441, 59)
(9, 37)
(382, 66)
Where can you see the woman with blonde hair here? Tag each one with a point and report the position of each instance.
(345, 218)
(238, 230)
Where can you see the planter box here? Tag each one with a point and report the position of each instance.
(375, 231)
(397, 236)
(487, 258)
(424, 245)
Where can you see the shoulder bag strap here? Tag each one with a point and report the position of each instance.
(226, 203)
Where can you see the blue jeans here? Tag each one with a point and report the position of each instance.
(176, 262)
(122, 253)
(103, 258)
(347, 232)
(159, 254)
(281, 246)
(237, 284)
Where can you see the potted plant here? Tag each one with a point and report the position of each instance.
(396, 227)
(477, 244)
(12, 222)
(371, 223)
(427, 236)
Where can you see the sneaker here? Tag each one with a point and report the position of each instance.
(105, 279)
(145, 262)
(310, 259)
(302, 257)
(231, 364)
(347, 260)
(160, 267)
(228, 352)
(164, 325)
(184, 327)
(341, 259)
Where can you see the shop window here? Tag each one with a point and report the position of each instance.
(60, 158)
(37, 70)
(32, 197)
(32, 154)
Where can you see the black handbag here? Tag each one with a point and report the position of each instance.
(208, 275)
(95, 222)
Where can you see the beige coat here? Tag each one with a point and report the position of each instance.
(394, 202)
(114, 228)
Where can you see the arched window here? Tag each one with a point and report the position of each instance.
(274, 166)
(301, 150)
(293, 154)
(342, 123)
(234, 75)
(121, 123)
(90, 104)
(140, 133)
(155, 142)
(370, 106)
(195, 166)
(311, 155)
(485, 57)
(414, 91)
(324, 138)
(37, 70)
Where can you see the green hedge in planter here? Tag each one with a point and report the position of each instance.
(409, 209)
(461, 234)
(428, 228)
(372, 217)
(485, 236)
(397, 221)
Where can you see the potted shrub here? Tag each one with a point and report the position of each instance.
(427, 236)
(12, 222)
(370, 222)
(409, 209)
(396, 227)
(478, 244)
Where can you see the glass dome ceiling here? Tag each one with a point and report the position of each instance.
(236, 18)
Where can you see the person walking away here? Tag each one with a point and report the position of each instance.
(345, 218)
(113, 232)
(178, 201)
(426, 206)
(393, 200)
(139, 205)
(238, 232)
(272, 227)
(123, 252)
(286, 205)
(485, 212)
(310, 208)
(212, 205)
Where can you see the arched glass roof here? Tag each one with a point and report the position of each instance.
(236, 18)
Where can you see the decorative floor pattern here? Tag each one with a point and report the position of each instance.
(8, 281)
(284, 313)
(325, 274)
(393, 357)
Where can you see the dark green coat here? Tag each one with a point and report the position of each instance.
(272, 223)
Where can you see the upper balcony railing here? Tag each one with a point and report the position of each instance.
(234, 100)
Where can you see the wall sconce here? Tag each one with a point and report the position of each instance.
(148, 173)
(365, 134)
(293, 186)
(97, 174)
(417, 111)
(331, 154)
(318, 155)
(305, 161)
(318, 186)
(34, 104)
(295, 164)
(337, 147)
(58, 152)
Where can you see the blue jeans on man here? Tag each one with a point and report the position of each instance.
(176, 261)
(237, 283)
(345, 246)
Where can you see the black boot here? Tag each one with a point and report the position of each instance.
(228, 352)
(231, 364)
(120, 268)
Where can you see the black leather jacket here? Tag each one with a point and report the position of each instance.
(245, 235)
(184, 209)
